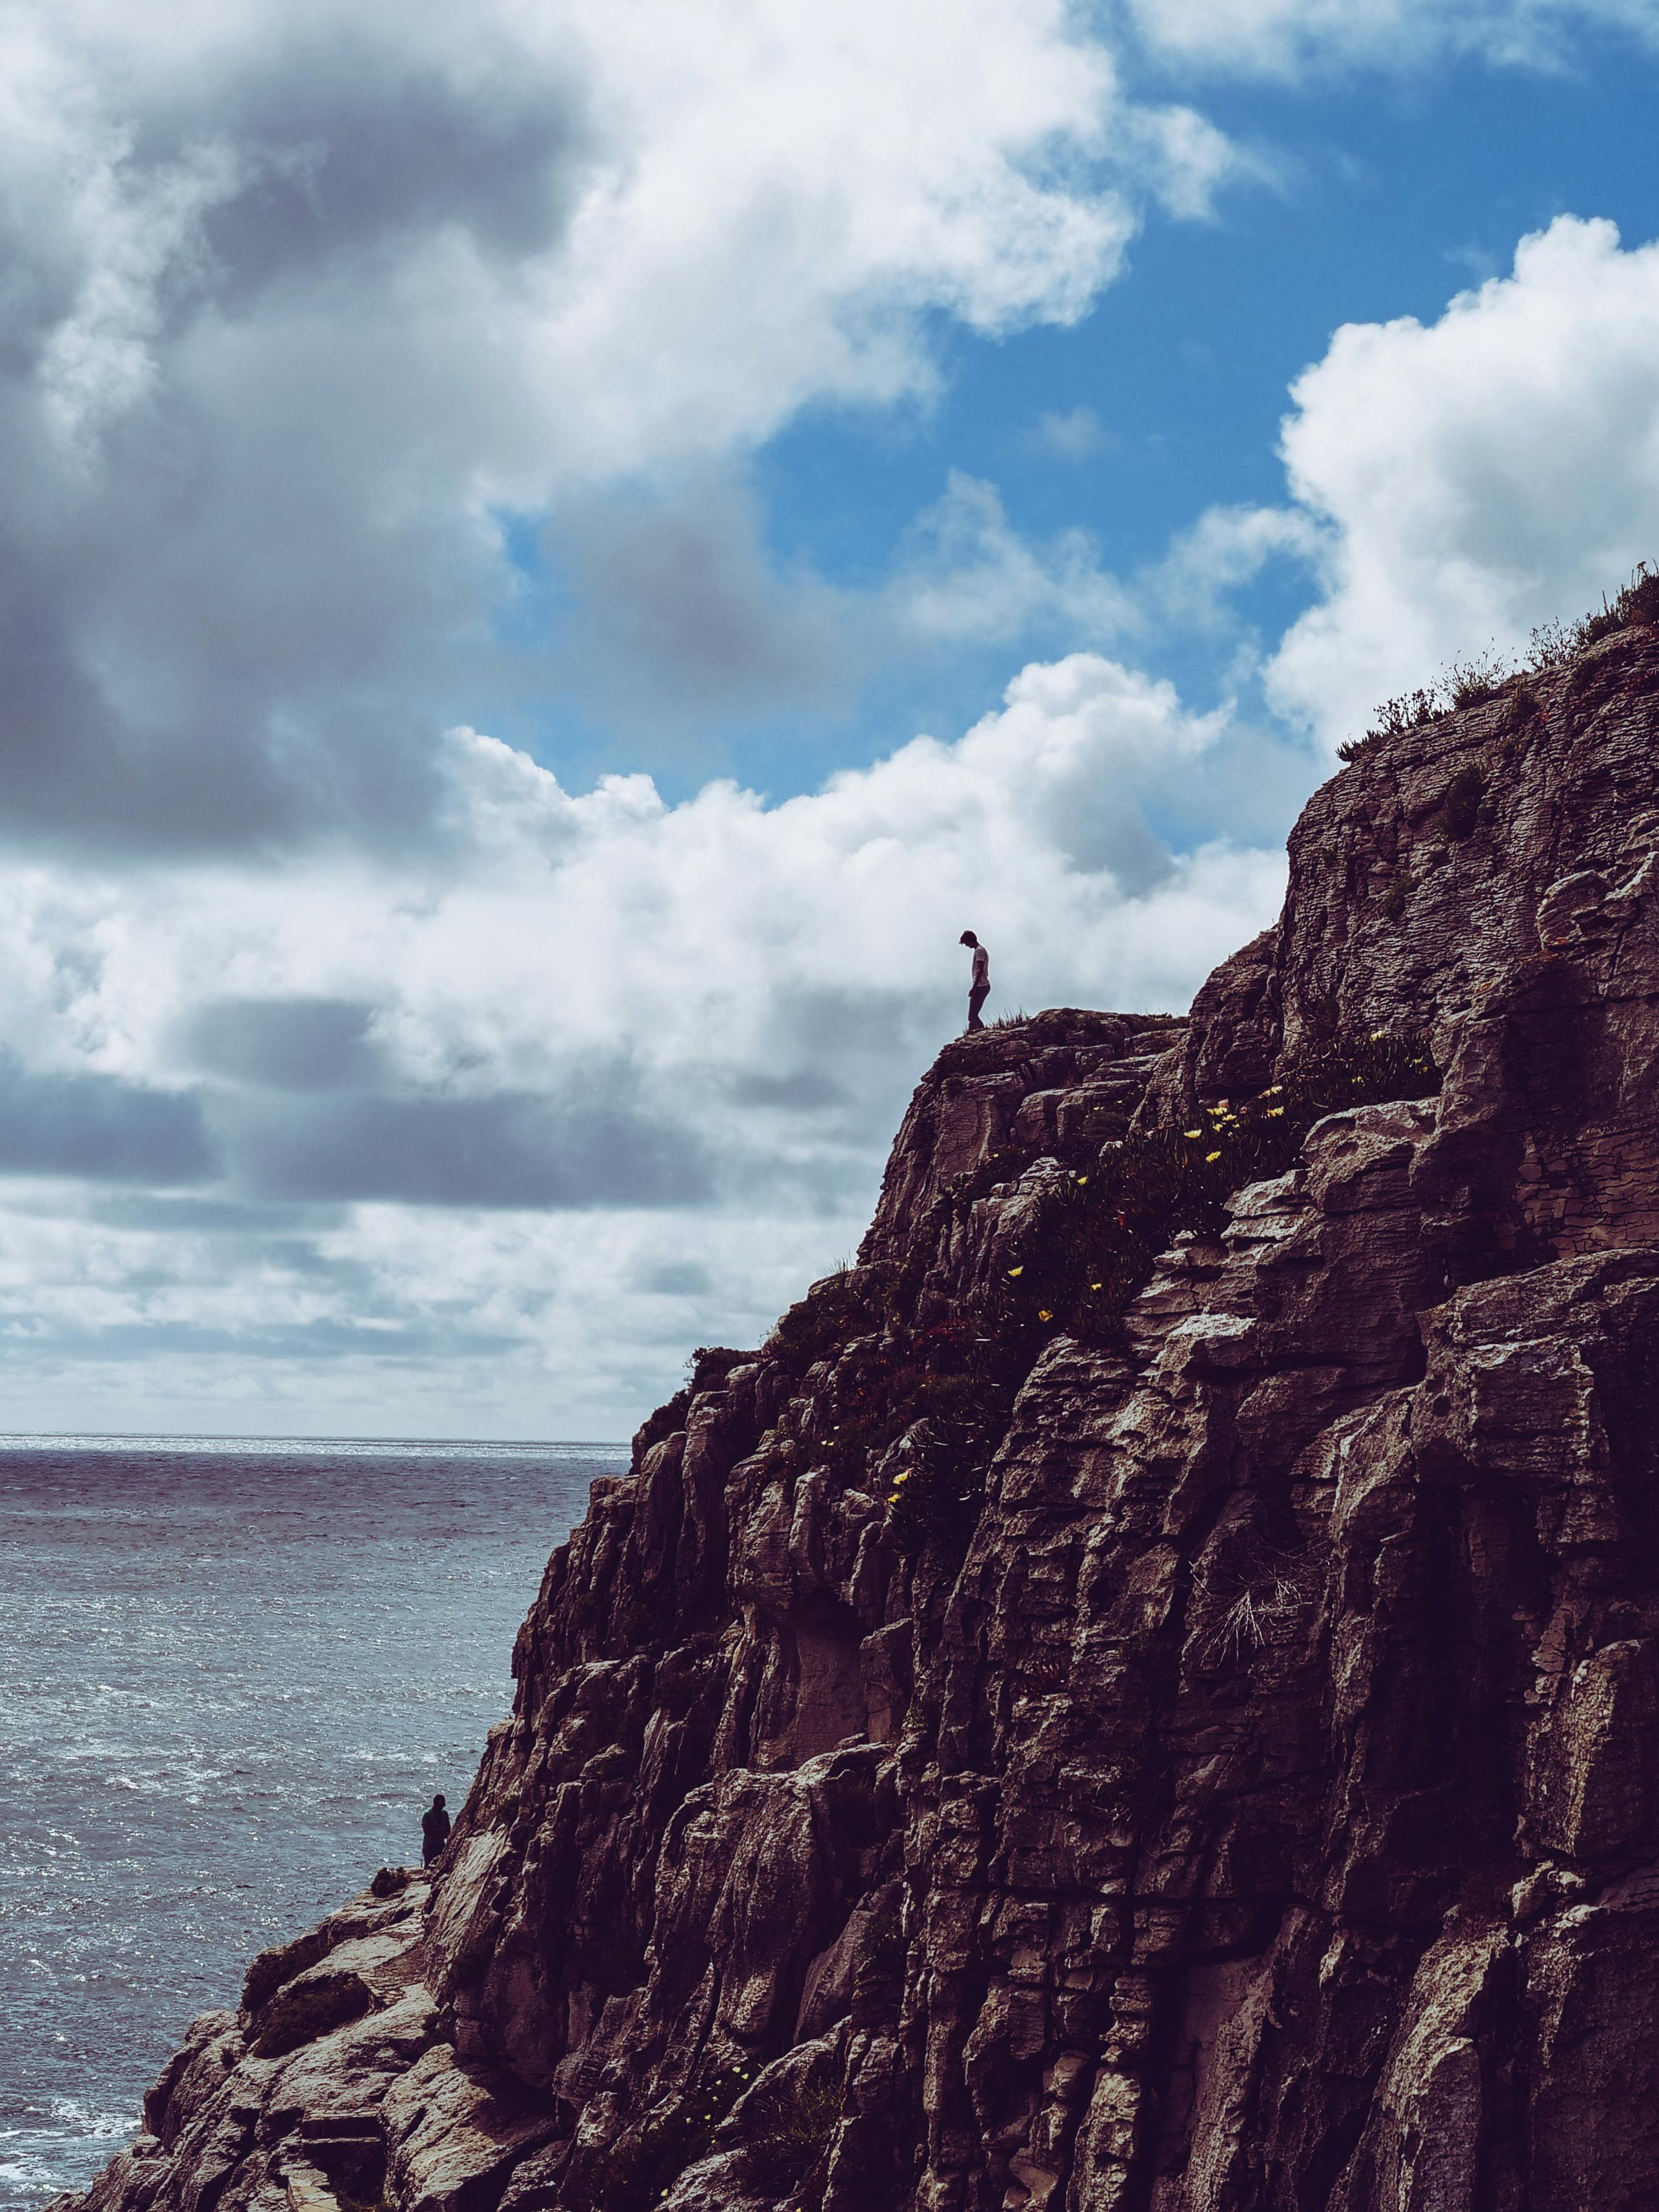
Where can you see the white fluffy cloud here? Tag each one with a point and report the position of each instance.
(1289, 37)
(966, 573)
(618, 1081)
(1477, 475)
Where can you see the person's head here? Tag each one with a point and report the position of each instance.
(967, 938)
(438, 1802)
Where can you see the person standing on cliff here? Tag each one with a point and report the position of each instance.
(980, 989)
(434, 1830)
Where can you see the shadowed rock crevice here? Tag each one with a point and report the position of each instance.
(1201, 1763)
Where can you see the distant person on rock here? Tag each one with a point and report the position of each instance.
(980, 989)
(435, 1830)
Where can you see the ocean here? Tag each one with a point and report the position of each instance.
(232, 1675)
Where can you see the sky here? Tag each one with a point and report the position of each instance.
(554, 555)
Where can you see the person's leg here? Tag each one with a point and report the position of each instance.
(976, 998)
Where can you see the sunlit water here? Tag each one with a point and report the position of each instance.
(232, 1675)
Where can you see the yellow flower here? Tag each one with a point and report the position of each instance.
(1274, 1113)
(1191, 1133)
(904, 1477)
(1043, 1314)
(1377, 1036)
(1212, 1156)
(1094, 1286)
(1272, 1091)
(1020, 1270)
(1081, 1181)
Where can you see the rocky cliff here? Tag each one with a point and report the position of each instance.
(1144, 1692)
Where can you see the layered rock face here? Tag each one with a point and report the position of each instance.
(1242, 1794)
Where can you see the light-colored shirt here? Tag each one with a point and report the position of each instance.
(982, 965)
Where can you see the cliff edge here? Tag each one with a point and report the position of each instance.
(1143, 1694)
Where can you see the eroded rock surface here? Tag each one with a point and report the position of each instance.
(1253, 1804)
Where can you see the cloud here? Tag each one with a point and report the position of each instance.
(503, 1149)
(1469, 478)
(1073, 434)
(674, 1279)
(313, 315)
(1226, 548)
(291, 1044)
(85, 1124)
(682, 618)
(1292, 37)
(965, 573)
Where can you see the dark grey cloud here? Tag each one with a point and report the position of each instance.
(850, 1056)
(356, 145)
(209, 1217)
(289, 1044)
(237, 604)
(683, 617)
(805, 1089)
(100, 1128)
(506, 1149)
(326, 1339)
(674, 1279)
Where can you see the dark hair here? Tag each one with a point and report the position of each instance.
(967, 938)
(438, 1799)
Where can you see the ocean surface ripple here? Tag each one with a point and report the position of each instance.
(232, 1675)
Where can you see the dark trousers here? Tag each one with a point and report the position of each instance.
(976, 998)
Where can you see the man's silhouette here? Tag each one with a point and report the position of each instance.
(980, 989)
(435, 1830)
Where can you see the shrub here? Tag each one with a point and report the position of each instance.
(816, 1325)
(1266, 1596)
(682, 1678)
(1554, 644)
(951, 1384)
(1460, 804)
(937, 1496)
(663, 1423)
(585, 1612)
(1470, 683)
(1091, 1249)
(639, 1625)
(882, 1948)
(306, 2010)
(1095, 1242)
(635, 2174)
(792, 2134)
(1639, 600)
(710, 1364)
(1406, 710)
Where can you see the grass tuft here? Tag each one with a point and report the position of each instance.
(1470, 683)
